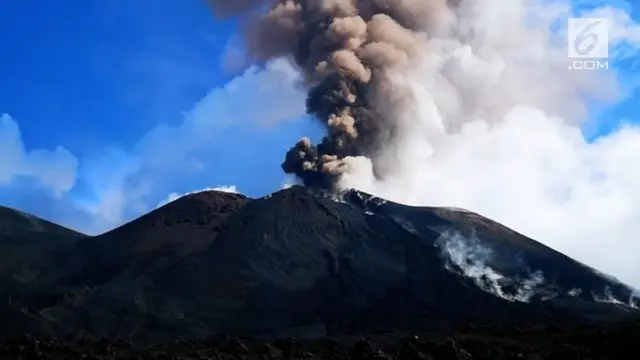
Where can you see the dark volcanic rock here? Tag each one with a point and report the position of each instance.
(300, 263)
(25, 242)
(527, 343)
(154, 240)
(25, 238)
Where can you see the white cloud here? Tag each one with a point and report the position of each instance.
(122, 182)
(257, 97)
(520, 157)
(112, 194)
(54, 169)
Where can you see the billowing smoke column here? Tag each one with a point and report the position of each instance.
(345, 49)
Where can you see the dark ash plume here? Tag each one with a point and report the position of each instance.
(345, 49)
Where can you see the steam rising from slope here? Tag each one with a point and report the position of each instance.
(469, 257)
(461, 103)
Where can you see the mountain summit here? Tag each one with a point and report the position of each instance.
(301, 262)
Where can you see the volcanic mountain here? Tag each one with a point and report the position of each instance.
(297, 262)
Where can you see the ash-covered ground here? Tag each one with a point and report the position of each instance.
(541, 342)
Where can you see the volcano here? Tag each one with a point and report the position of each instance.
(298, 262)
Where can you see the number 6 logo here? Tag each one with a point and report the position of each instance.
(588, 38)
(583, 36)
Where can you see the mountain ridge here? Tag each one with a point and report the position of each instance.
(304, 262)
(16, 222)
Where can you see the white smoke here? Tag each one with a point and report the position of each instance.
(495, 127)
(575, 292)
(607, 297)
(634, 301)
(470, 257)
(175, 196)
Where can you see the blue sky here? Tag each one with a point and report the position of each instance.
(139, 93)
(112, 105)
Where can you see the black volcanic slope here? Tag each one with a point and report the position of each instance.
(24, 237)
(301, 263)
(26, 241)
